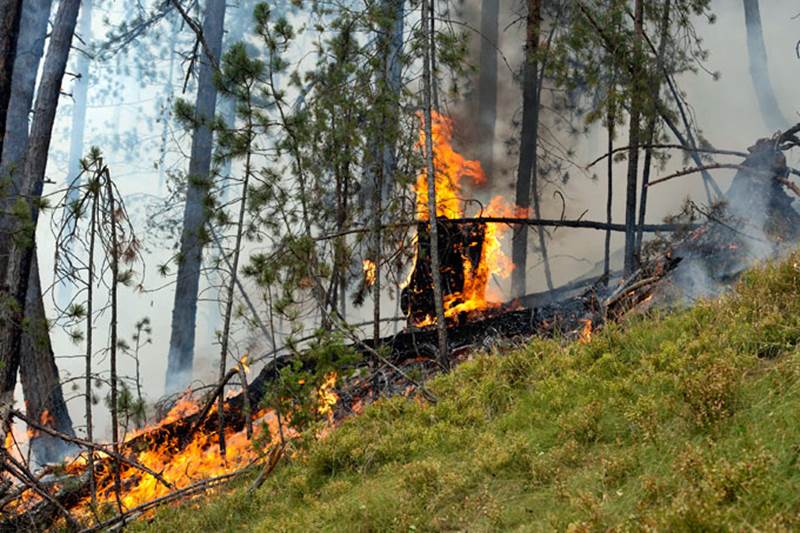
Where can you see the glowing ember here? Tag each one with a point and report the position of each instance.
(451, 167)
(369, 272)
(586, 332)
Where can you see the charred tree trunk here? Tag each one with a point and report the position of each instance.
(15, 274)
(611, 117)
(195, 216)
(528, 145)
(633, 143)
(487, 82)
(10, 15)
(441, 327)
(757, 54)
(652, 120)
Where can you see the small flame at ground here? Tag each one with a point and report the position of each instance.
(586, 332)
(327, 396)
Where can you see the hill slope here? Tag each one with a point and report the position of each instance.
(683, 422)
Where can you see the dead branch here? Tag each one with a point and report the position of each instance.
(190, 490)
(687, 171)
(669, 147)
(209, 404)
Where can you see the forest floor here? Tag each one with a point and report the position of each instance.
(688, 420)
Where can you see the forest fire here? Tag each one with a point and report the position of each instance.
(178, 452)
(471, 253)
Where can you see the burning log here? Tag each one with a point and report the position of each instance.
(460, 248)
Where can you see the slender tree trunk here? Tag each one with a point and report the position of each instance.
(237, 248)
(633, 142)
(434, 70)
(487, 83)
(528, 145)
(115, 253)
(80, 93)
(757, 54)
(10, 15)
(195, 216)
(609, 193)
(88, 394)
(16, 272)
(385, 164)
(650, 130)
(441, 326)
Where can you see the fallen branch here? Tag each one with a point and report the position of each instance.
(190, 490)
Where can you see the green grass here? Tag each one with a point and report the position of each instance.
(687, 421)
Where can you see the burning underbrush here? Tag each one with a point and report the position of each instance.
(681, 421)
(182, 454)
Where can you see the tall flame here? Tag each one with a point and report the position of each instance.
(450, 168)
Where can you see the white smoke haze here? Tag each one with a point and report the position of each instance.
(726, 110)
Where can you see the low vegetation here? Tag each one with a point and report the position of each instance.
(683, 421)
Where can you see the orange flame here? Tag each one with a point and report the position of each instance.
(585, 336)
(327, 396)
(450, 168)
(369, 272)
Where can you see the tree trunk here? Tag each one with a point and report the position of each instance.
(487, 83)
(15, 274)
(195, 216)
(41, 384)
(650, 130)
(10, 15)
(633, 143)
(441, 326)
(609, 193)
(80, 92)
(757, 54)
(30, 45)
(528, 145)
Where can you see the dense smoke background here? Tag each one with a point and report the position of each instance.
(726, 110)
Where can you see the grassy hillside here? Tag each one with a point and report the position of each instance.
(688, 421)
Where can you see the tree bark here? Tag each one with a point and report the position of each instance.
(650, 129)
(609, 193)
(30, 45)
(16, 273)
(80, 92)
(757, 54)
(195, 216)
(441, 326)
(10, 15)
(41, 383)
(528, 145)
(633, 142)
(487, 83)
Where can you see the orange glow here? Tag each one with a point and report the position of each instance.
(585, 336)
(327, 396)
(369, 272)
(451, 167)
